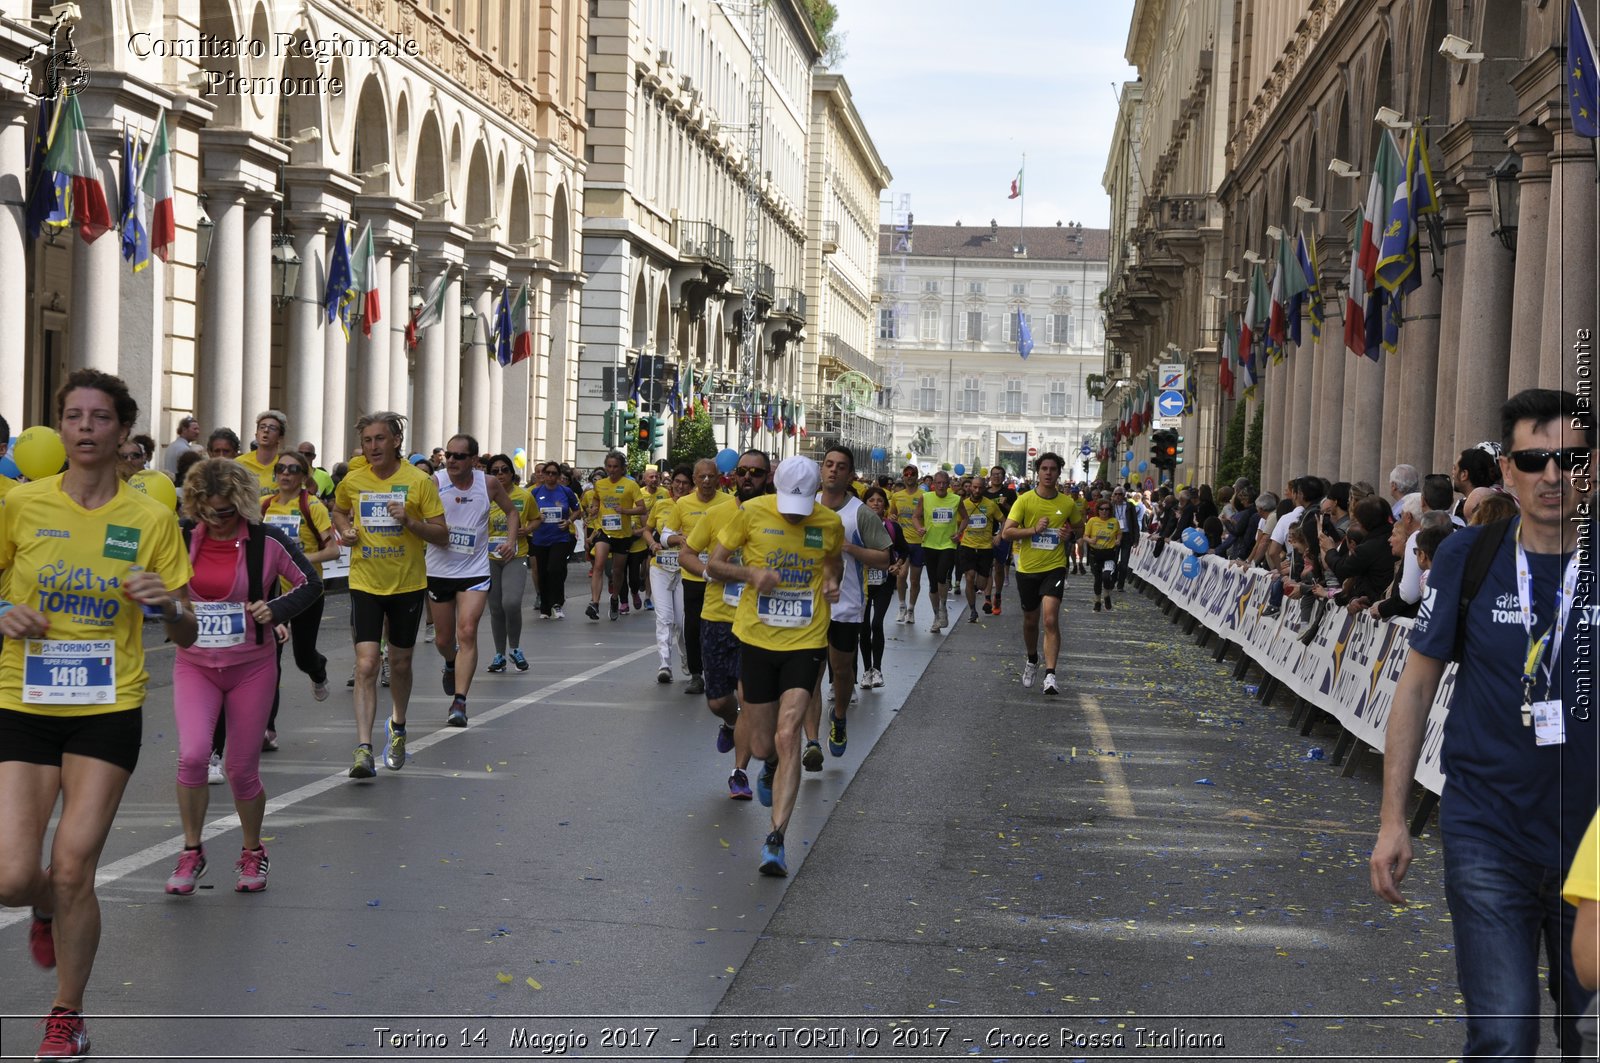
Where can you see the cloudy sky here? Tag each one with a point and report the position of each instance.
(953, 92)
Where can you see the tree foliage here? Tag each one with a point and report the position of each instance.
(1252, 450)
(824, 16)
(1231, 466)
(692, 440)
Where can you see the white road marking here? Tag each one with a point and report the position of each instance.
(161, 851)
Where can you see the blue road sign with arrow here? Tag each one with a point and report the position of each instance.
(1170, 404)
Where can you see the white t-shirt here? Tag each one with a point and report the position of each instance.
(1410, 572)
(1280, 530)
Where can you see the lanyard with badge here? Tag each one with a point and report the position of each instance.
(1544, 716)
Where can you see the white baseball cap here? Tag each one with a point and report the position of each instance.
(797, 481)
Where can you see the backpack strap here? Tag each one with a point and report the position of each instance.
(1479, 558)
(305, 515)
(254, 559)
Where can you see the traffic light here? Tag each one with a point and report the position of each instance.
(626, 419)
(1177, 444)
(1158, 440)
(658, 428)
(645, 432)
(610, 433)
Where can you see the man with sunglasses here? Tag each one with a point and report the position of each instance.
(270, 426)
(1039, 525)
(1128, 516)
(719, 647)
(550, 546)
(458, 568)
(790, 560)
(617, 501)
(1519, 744)
(686, 515)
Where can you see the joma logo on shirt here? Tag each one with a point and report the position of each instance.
(52, 533)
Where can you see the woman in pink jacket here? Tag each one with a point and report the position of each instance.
(232, 667)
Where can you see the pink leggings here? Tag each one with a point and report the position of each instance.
(200, 694)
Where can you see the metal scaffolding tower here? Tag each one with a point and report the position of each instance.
(754, 14)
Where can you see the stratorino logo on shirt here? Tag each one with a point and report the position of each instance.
(122, 543)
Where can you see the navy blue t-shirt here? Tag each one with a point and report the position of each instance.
(555, 504)
(1532, 801)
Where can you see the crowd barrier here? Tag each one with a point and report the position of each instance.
(1346, 665)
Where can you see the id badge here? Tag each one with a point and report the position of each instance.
(463, 541)
(69, 672)
(611, 523)
(220, 624)
(1549, 728)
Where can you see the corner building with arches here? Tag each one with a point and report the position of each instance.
(455, 128)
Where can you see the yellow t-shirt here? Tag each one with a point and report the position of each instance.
(388, 558)
(499, 527)
(860, 487)
(685, 517)
(1583, 879)
(1047, 550)
(983, 520)
(6, 484)
(1102, 533)
(611, 499)
(721, 599)
(905, 504)
(262, 473)
(659, 520)
(286, 516)
(69, 563)
(795, 615)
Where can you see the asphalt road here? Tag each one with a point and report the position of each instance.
(1152, 851)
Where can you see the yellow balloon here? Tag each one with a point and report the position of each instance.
(519, 460)
(39, 452)
(157, 485)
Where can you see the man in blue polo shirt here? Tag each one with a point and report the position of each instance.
(1520, 742)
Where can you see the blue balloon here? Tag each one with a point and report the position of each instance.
(1143, 465)
(1128, 456)
(1124, 471)
(960, 470)
(9, 467)
(1191, 567)
(878, 453)
(1196, 540)
(727, 458)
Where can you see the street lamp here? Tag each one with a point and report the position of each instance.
(1503, 200)
(469, 319)
(285, 268)
(203, 229)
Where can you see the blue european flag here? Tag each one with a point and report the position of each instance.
(1024, 336)
(334, 302)
(1583, 80)
(502, 329)
(135, 237)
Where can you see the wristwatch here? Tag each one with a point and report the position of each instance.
(177, 617)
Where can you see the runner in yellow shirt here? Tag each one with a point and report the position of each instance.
(903, 502)
(934, 521)
(1039, 524)
(980, 518)
(1101, 534)
(719, 647)
(270, 427)
(387, 512)
(792, 554)
(617, 501)
(685, 517)
(665, 574)
(80, 553)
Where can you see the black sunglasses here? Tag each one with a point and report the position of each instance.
(749, 470)
(459, 456)
(280, 469)
(1567, 459)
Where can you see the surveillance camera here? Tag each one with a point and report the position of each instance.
(1458, 50)
(1305, 206)
(1390, 118)
(1274, 233)
(1340, 168)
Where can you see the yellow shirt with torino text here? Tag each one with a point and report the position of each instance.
(685, 516)
(69, 563)
(794, 615)
(387, 558)
(612, 498)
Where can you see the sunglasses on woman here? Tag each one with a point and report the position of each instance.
(287, 467)
(1567, 459)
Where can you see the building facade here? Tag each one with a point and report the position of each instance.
(847, 180)
(947, 342)
(1163, 171)
(1507, 298)
(689, 102)
(453, 128)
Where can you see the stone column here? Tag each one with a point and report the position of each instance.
(13, 258)
(559, 396)
(1418, 372)
(1306, 413)
(397, 312)
(436, 395)
(338, 421)
(1485, 326)
(1331, 358)
(1276, 427)
(1569, 295)
(256, 369)
(372, 340)
(1366, 447)
(1532, 145)
(307, 358)
(222, 350)
(1452, 204)
(475, 370)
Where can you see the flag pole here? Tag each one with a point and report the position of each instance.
(1022, 197)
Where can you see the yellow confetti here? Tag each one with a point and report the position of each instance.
(723, 842)
(488, 767)
(729, 970)
(503, 978)
(532, 984)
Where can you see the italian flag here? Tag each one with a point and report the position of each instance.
(1016, 186)
(521, 328)
(364, 279)
(70, 154)
(431, 312)
(155, 186)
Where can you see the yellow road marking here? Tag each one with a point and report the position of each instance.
(1118, 796)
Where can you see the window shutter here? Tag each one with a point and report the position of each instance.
(1050, 328)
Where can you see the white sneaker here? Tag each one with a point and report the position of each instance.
(866, 679)
(214, 776)
(901, 617)
(877, 677)
(1050, 683)
(319, 691)
(558, 613)
(1028, 670)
